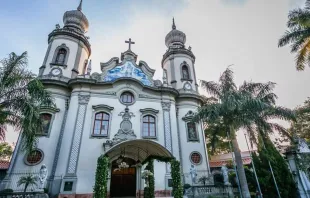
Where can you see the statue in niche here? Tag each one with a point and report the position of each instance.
(191, 130)
(43, 176)
(224, 170)
(193, 173)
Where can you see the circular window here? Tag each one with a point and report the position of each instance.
(127, 98)
(34, 158)
(195, 158)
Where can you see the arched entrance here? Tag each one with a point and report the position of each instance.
(123, 181)
(133, 152)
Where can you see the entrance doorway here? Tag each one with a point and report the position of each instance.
(123, 181)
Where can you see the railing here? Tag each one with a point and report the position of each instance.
(23, 195)
(211, 190)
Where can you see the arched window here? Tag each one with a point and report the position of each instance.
(101, 124)
(61, 56)
(149, 127)
(127, 98)
(185, 73)
(46, 122)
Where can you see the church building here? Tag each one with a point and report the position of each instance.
(121, 112)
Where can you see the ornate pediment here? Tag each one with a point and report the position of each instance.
(127, 70)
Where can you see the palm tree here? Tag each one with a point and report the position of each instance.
(236, 108)
(21, 95)
(298, 35)
(27, 181)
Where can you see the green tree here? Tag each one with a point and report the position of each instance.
(27, 181)
(298, 35)
(250, 107)
(21, 95)
(286, 185)
(5, 151)
(301, 127)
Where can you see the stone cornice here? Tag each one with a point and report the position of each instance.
(94, 82)
(72, 33)
(191, 95)
(172, 51)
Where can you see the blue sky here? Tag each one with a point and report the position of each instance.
(221, 32)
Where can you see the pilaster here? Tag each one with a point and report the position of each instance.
(167, 125)
(70, 175)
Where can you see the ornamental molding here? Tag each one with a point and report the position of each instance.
(149, 110)
(84, 99)
(49, 109)
(102, 107)
(166, 106)
(125, 132)
(146, 96)
(188, 116)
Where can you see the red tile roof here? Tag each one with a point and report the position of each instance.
(214, 164)
(4, 165)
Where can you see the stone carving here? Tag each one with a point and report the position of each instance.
(96, 76)
(43, 176)
(193, 173)
(224, 170)
(158, 83)
(125, 132)
(84, 99)
(166, 105)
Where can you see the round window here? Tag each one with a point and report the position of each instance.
(195, 158)
(127, 98)
(34, 158)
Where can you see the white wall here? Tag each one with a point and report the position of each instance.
(73, 47)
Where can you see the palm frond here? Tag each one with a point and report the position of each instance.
(211, 87)
(302, 56)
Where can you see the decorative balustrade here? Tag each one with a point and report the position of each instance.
(210, 190)
(23, 195)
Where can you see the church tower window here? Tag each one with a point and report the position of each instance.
(149, 126)
(101, 124)
(185, 72)
(61, 56)
(46, 122)
(127, 98)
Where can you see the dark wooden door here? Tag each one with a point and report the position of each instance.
(123, 183)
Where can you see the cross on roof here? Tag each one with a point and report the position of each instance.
(129, 43)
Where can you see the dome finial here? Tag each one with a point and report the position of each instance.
(173, 24)
(80, 6)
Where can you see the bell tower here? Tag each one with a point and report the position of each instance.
(68, 48)
(178, 62)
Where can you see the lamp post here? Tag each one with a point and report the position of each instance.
(254, 170)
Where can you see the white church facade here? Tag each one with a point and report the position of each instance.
(121, 111)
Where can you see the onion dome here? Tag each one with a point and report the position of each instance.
(175, 37)
(76, 19)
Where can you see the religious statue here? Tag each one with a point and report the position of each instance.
(224, 170)
(42, 176)
(193, 173)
